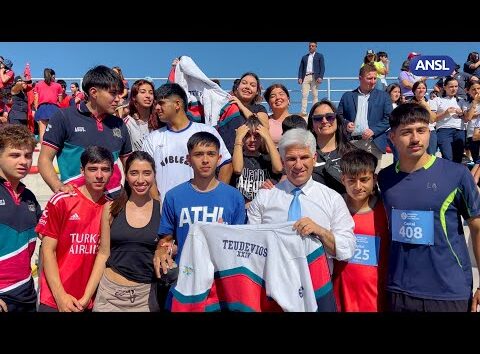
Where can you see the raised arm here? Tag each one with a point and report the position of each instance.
(237, 158)
(47, 171)
(277, 166)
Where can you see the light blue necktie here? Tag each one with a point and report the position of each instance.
(295, 209)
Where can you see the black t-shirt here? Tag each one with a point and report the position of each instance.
(256, 169)
(19, 107)
(132, 249)
(228, 130)
(327, 170)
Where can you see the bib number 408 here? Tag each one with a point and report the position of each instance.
(413, 226)
(411, 232)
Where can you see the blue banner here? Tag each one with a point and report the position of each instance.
(432, 65)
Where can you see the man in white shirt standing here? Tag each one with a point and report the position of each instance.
(323, 212)
(317, 211)
(310, 75)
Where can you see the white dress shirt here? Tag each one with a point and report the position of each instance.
(320, 203)
(309, 68)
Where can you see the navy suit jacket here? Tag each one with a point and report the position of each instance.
(379, 109)
(318, 66)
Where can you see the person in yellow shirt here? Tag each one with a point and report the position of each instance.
(382, 70)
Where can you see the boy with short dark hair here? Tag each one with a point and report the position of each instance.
(168, 145)
(251, 168)
(203, 198)
(294, 121)
(70, 226)
(19, 213)
(70, 131)
(359, 284)
(425, 199)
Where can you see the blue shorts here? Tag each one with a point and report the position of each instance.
(45, 111)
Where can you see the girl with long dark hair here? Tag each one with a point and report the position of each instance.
(142, 118)
(123, 268)
(332, 143)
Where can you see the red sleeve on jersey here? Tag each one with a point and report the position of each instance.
(51, 222)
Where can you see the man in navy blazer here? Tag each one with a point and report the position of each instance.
(366, 111)
(310, 75)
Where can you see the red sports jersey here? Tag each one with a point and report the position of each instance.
(74, 221)
(65, 102)
(360, 287)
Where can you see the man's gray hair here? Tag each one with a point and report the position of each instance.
(297, 137)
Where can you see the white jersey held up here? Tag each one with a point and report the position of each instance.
(251, 268)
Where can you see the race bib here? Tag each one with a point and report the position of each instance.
(366, 250)
(412, 226)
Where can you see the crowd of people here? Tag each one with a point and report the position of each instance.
(113, 241)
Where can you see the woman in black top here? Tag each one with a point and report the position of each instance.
(332, 144)
(127, 244)
(19, 112)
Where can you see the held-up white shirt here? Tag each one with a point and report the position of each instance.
(320, 203)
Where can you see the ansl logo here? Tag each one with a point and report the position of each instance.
(432, 65)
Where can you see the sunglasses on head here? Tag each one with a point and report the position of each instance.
(330, 117)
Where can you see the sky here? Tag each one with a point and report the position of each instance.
(222, 59)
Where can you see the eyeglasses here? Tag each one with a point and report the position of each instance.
(330, 117)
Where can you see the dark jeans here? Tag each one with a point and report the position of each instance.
(474, 147)
(451, 142)
(432, 144)
(398, 302)
(162, 296)
(46, 308)
(15, 306)
(21, 299)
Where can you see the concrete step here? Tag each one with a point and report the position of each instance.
(35, 182)
(39, 188)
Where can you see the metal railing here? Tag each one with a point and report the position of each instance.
(332, 87)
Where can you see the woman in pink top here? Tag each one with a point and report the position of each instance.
(48, 95)
(278, 99)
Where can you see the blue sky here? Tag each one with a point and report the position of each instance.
(220, 59)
